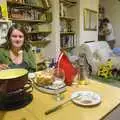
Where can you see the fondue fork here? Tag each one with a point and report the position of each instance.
(56, 107)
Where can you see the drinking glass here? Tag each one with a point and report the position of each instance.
(59, 77)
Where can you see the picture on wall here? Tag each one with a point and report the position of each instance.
(90, 20)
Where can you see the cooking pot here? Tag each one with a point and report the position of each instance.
(13, 79)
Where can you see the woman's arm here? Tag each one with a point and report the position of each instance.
(30, 59)
(3, 66)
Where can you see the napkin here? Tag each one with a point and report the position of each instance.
(64, 63)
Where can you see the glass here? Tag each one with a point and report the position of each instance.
(59, 77)
(75, 82)
(83, 79)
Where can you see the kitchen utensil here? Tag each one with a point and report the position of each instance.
(56, 107)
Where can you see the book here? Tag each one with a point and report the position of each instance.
(46, 3)
(3, 6)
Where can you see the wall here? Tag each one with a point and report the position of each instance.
(112, 11)
(87, 35)
(52, 50)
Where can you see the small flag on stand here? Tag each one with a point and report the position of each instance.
(64, 63)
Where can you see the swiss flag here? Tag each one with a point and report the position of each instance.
(64, 63)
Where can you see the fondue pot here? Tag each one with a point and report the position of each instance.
(15, 89)
(13, 79)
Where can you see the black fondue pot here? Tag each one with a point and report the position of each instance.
(13, 79)
(15, 88)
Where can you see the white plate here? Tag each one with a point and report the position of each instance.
(51, 89)
(86, 98)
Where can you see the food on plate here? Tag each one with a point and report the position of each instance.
(44, 78)
(86, 101)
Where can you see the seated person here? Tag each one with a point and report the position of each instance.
(16, 52)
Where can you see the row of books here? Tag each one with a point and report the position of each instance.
(67, 41)
(65, 26)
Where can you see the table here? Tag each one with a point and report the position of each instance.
(41, 102)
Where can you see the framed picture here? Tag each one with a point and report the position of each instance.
(90, 20)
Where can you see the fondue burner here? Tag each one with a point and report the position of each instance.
(15, 99)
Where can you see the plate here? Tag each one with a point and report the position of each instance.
(86, 98)
(50, 89)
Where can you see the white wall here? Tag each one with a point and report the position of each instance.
(52, 50)
(87, 35)
(112, 11)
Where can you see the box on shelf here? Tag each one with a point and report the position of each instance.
(34, 2)
(17, 14)
(42, 27)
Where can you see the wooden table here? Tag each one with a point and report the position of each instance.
(41, 102)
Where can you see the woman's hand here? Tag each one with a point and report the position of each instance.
(3, 66)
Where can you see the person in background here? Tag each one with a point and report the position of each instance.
(108, 32)
(16, 52)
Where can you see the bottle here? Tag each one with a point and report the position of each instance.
(83, 79)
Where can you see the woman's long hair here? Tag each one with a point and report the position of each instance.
(8, 44)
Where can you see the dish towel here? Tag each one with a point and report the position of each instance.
(64, 63)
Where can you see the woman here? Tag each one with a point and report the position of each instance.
(109, 33)
(16, 52)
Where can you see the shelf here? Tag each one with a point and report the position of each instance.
(39, 32)
(67, 18)
(42, 43)
(4, 21)
(67, 33)
(24, 5)
(28, 21)
(68, 3)
(67, 48)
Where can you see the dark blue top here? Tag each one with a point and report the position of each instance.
(22, 65)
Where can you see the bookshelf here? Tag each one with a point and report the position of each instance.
(26, 5)
(67, 21)
(32, 15)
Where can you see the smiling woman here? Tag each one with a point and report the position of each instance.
(16, 52)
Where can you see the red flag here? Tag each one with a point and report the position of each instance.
(65, 64)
